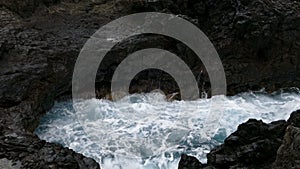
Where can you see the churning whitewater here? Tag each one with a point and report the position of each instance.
(145, 131)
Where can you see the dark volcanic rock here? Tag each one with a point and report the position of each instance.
(38, 51)
(35, 153)
(257, 145)
(294, 119)
(288, 155)
(189, 162)
(258, 42)
(253, 145)
(257, 46)
(25, 7)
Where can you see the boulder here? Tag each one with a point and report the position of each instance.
(256, 144)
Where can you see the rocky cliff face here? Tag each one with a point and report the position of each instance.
(258, 42)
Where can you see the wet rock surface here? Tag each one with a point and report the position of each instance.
(257, 145)
(189, 162)
(253, 145)
(258, 42)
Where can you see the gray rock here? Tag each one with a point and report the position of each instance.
(8, 164)
(288, 154)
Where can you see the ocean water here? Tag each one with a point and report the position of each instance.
(145, 131)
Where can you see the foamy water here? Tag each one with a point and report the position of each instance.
(144, 131)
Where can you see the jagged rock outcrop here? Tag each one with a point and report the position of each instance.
(31, 152)
(258, 42)
(189, 162)
(253, 145)
(257, 145)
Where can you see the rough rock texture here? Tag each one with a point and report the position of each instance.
(35, 153)
(258, 42)
(9, 164)
(188, 162)
(253, 145)
(257, 145)
(39, 48)
(288, 155)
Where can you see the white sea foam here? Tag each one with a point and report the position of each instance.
(144, 131)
